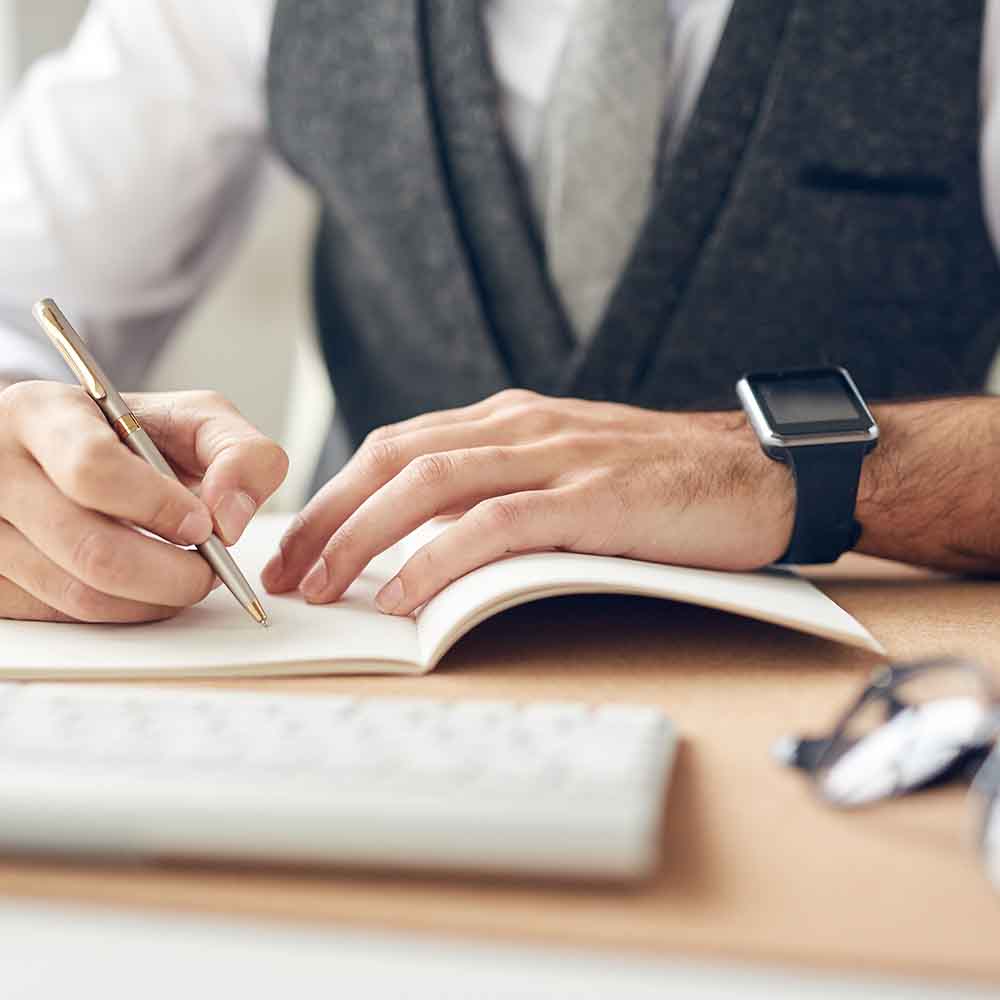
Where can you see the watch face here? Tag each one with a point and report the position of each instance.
(814, 402)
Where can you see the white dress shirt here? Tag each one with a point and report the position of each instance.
(130, 162)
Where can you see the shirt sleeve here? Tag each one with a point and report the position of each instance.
(129, 164)
(990, 138)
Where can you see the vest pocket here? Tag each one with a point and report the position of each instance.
(825, 177)
(886, 238)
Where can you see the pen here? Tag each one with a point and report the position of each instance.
(124, 422)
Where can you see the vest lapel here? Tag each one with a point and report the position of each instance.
(358, 125)
(492, 210)
(686, 206)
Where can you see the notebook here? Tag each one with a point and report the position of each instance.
(217, 638)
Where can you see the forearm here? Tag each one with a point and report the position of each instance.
(929, 492)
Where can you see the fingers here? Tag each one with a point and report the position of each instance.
(98, 473)
(385, 453)
(509, 402)
(18, 605)
(36, 589)
(100, 552)
(376, 463)
(428, 486)
(201, 433)
(449, 418)
(496, 527)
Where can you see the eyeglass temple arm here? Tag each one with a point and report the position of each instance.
(800, 752)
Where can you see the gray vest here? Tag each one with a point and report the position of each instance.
(824, 207)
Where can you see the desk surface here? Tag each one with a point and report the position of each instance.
(754, 867)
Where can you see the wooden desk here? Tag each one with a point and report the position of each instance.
(755, 868)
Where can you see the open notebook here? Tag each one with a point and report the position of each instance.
(218, 638)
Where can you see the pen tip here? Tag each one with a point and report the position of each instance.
(259, 614)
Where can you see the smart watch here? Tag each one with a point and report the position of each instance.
(816, 421)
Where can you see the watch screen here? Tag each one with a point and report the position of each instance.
(811, 402)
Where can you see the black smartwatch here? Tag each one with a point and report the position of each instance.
(816, 421)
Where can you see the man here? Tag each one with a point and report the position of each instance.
(554, 234)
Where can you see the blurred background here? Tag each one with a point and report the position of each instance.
(264, 292)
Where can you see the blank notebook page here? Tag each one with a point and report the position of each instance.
(218, 633)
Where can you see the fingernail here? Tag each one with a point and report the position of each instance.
(315, 582)
(390, 596)
(195, 528)
(232, 515)
(216, 585)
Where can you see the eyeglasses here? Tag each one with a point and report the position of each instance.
(914, 726)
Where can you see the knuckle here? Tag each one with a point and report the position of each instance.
(166, 514)
(86, 472)
(94, 557)
(503, 515)
(489, 455)
(513, 397)
(342, 540)
(34, 392)
(210, 398)
(18, 395)
(84, 603)
(535, 417)
(432, 470)
(577, 441)
(378, 435)
(381, 456)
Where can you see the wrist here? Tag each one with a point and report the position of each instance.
(875, 471)
(763, 489)
(774, 499)
(885, 490)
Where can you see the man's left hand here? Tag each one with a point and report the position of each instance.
(528, 472)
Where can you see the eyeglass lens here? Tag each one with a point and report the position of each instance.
(905, 734)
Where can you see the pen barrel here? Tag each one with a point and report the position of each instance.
(141, 443)
(214, 552)
(218, 557)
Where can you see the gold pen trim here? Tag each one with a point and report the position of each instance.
(51, 320)
(126, 425)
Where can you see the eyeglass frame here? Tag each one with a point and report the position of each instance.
(807, 754)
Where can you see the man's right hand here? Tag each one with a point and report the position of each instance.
(67, 484)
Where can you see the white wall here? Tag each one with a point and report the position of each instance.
(41, 25)
(252, 337)
(271, 368)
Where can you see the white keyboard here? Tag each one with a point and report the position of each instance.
(544, 788)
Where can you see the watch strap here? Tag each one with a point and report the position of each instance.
(826, 494)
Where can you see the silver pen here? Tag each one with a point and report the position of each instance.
(123, 421)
